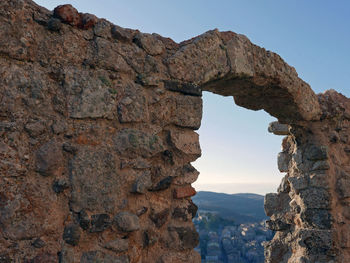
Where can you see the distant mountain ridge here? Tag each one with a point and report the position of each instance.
(242, 208)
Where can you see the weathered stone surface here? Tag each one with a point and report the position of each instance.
(163, 184)
(38, 243)
(71, 234)
(317, 218)
(120, 104)
(44, 258)
(150, 237)
(185, 88)
(149, 43)
(132, 142)
(315, 153)
(84, 220)
(94, 184)
(123, 34)
(68, 14)
(186, 175)
(188, 112)
(118, 245)
(99, 256)
(186, 141)
(343, 188)
(133, 106)
(54, 24)
(87, 20)
(270, 203)
(143, 183)
(283, 161)
(91, 95)
(35, 128)
(298, 183)
(188, 236)
(59, 186)
(315, 198)
(49, 158)
(278, 128)
(320, 165)
(183, 192)
(319, 180)
(99, 222)
(126, 222)
(160, 218)
(277, 225)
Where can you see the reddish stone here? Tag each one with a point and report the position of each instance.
(183, 192)
(87, 21)
(67, 14)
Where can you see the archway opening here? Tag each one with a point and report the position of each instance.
(238, 167)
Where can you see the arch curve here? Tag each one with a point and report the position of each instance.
(228, 64)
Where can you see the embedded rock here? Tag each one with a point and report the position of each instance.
(117, 245)
(127, 222)
(49, 158)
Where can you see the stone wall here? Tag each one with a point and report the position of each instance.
(311, 209)
(97, 128)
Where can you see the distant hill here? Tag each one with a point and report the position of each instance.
(242, 208)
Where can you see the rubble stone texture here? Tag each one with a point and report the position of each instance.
(97, 126)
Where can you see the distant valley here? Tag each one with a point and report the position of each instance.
(241, 208)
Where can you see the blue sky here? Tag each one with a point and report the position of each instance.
(312, 36)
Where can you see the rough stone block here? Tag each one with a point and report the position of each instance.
(315, 153)
(320, 165)
(133, 143)
(100, 222)
(298, 183)
(319, 180)
(118, 245)
(343, 187)
(185, 88)
(183, 192)
(283, 161)
(133, 106)
(186, 141)
(278, 128)
(188, 237)
(149, 43)
(271, 203)
(188, 112)
(142, 183)
(90, 95)
(317, 242)
(315, 198)
(126, 222)
(317, 218)
(71, 234)
(49, 158)
(160, 218)
(186, 175)
(277, 225)
(163, 184)
(68, 14)
(94, 178)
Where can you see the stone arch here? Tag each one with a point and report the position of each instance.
(97, 126)
(229, 64)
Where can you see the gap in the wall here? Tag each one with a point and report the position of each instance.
(238, 153)
(239, 157)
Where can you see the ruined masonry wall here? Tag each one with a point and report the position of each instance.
(310, 212)
(97, 136)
